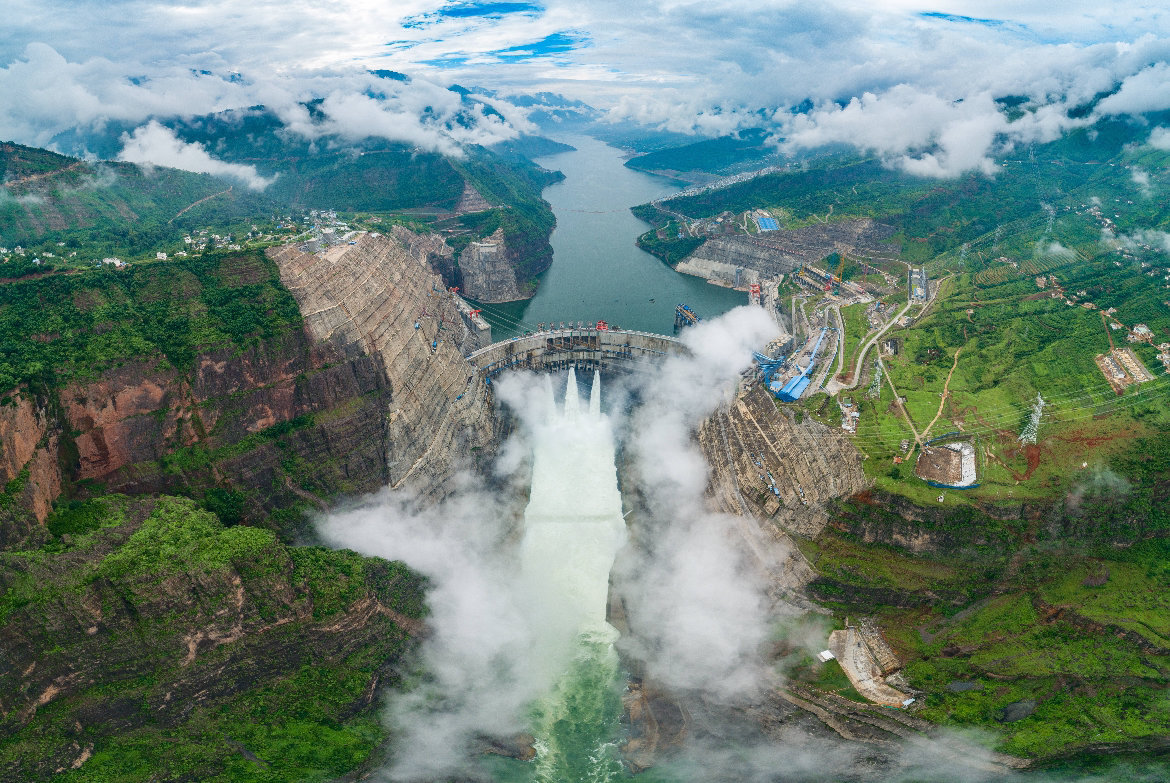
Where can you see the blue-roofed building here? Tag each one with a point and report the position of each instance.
(767, 224)
(792, 391)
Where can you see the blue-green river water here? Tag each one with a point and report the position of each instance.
(598, 273)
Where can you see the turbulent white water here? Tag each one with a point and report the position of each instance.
(573, 529)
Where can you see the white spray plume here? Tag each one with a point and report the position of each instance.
(698, 613)
(475, 658)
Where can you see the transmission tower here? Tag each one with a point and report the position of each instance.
(1028, 435)
(875, 388)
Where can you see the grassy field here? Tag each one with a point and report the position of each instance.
(1082, 637)
(1015, 345)
(856, 328)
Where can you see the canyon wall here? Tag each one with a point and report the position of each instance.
(754, 446)
(488, 271)
(345, 398)
(376, 299)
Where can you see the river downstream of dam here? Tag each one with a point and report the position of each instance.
(598, 272)
(573, 529)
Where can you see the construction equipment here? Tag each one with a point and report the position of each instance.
(685, 316)
(836, 278)
(768, 366)
(794, 388)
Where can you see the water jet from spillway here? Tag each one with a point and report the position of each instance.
(573, 529)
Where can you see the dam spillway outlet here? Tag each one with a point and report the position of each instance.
(573, 529)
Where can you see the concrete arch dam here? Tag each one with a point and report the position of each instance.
(585, 349)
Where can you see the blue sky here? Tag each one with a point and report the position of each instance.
(890, 76)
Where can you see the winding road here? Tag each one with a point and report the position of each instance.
(834, 386)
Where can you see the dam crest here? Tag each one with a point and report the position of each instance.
(586, 349)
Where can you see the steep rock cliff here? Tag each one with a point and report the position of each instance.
(772, 254)
(376, 299)
(753, 445)
(29, 473)
(294, 410)
(488, 271)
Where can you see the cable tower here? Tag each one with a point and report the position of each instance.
(1028, 435)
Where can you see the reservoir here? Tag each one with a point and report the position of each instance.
(598, 273)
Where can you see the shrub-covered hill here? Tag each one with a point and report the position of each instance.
(376, 175)
(122, 209)
(1049, 633)
(110, 207)
(723, 155)
(937, 217)
(145, 640)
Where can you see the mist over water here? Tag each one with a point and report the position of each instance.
(573, 530)
(518, 642)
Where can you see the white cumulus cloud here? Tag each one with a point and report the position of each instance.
(154, 144)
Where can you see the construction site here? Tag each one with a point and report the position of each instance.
(948, 462)
(868, 662)
(1122, 368)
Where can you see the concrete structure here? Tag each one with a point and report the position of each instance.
(863, 669)
(949, 465)
(586, 349)
(919, 285)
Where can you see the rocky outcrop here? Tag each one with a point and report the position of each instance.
(471, 201)
(29, 477)
(488, 272)
(352, 398)
(750, 258)
(755, 447)
(875, 517)
(376, 299)
(144, 428)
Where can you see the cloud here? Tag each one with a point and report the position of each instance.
(725, 65)
(1100, 482)
(1146, 239)
(1141, 178)
(1056, 250)
(697, 607)
(48, 95)
(153, 144)
(918, 132)
(24, 199)
(477, 676)
(1145, 91)
(1160, 138)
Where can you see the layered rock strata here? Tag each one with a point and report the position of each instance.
(351, 399)
(767, 465)
(723, 259)
(145, 427)
(488, 271)
(376, 299)
(29, 472)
